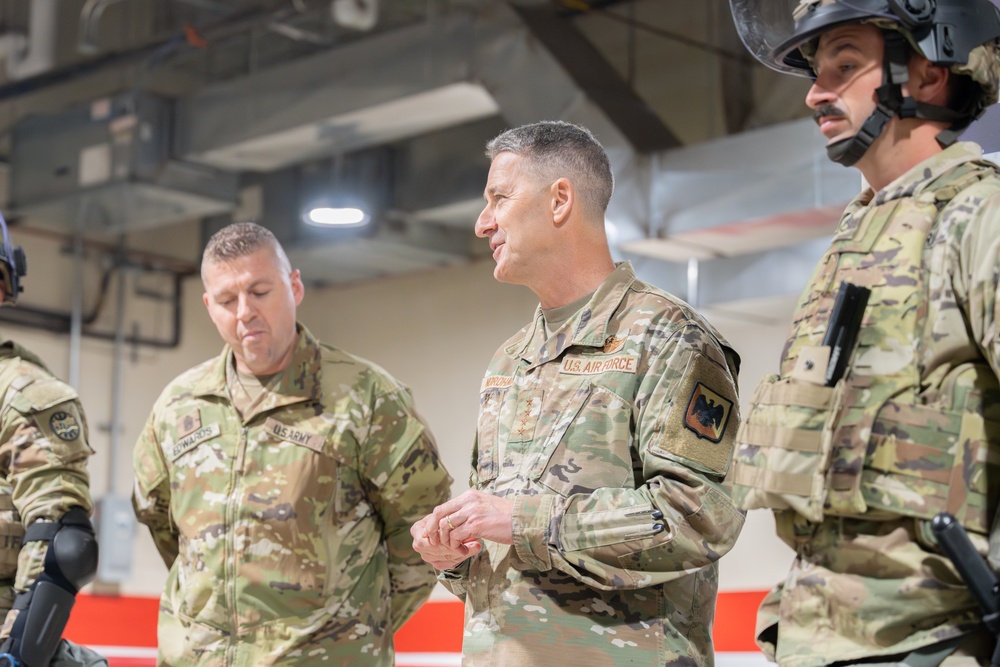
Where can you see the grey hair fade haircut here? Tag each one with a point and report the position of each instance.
(239, 240)
(556, 149)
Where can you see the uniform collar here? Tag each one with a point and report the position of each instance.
(588, 327)
(22, 352)
(299, 381)
(921, 177)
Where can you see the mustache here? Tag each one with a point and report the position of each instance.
(826, 111)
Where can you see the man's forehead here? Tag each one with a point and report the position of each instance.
(502, 170)
(259, 266)
(855, 34)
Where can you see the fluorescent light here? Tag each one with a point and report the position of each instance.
(339, 217)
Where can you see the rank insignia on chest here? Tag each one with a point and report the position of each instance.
(189, 423)
(613, 343)
(707, 413)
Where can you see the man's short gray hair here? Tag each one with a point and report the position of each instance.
(239, 240)
(556, 149)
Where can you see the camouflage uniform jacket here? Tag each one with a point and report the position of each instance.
(871, 582)
(612, 437)
(286, 528)
(43, 462)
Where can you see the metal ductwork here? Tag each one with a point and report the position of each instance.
(429, 94)
(106, 167)
(461, 69)
(744, 218)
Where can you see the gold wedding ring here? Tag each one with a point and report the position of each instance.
(450, 524)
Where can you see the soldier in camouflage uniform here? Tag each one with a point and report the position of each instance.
(597, 512)
(279, 482)
(44, 492)
(856, 468)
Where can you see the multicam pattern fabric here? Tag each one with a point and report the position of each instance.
(286, 526)
(914, 426)
(43, 464)
(612, 436)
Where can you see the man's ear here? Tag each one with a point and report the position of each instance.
(563, 200)
(298, 289)
(928, 82)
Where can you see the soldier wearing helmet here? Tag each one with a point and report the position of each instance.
(47, 546)
(856, 465)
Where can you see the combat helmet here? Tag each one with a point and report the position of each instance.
(959, 34)
(13, 266)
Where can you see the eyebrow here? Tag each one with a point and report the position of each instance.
(256, 283)
(491, 190)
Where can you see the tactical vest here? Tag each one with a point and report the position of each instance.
(884, 441)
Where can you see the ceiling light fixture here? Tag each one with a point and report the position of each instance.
(326, 216)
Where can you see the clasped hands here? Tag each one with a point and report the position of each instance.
(454, 530)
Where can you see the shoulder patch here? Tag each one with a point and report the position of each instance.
(65, 425)
(700, 426)
(707, 413)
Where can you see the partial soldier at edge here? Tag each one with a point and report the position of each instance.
(856, 467)
(48, 550)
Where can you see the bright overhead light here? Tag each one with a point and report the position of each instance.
(336, 217)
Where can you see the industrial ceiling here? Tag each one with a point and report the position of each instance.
(124, 115)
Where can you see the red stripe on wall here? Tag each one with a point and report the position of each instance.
(735, 620)
(435, 628)
(113, 621)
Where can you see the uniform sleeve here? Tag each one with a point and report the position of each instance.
(151, 494)
(679, 518)
(402, 463)
(44, 452)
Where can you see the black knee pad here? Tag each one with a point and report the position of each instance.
(70, 563)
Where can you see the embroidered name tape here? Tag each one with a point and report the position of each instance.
(622, 363)
(191, 441)
(496, 382)
(313, 441)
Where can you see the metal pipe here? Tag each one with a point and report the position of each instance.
(221, 28)
(41, 54)
(59, 322)
(90, 21)
(117, 373)
(76, 315)
(150, 261)
(692, 282)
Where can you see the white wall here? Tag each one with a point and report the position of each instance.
(435, 331)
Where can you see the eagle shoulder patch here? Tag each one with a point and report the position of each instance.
(700, 425)
(707, 413)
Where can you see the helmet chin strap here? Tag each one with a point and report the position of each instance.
(891, 102)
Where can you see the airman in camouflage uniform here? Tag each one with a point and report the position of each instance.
(43, 480)
(597, 512)
(282, 507)
(856, 468)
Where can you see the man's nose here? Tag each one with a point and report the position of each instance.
(245, 310)
(818, 96)
(484, 223)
